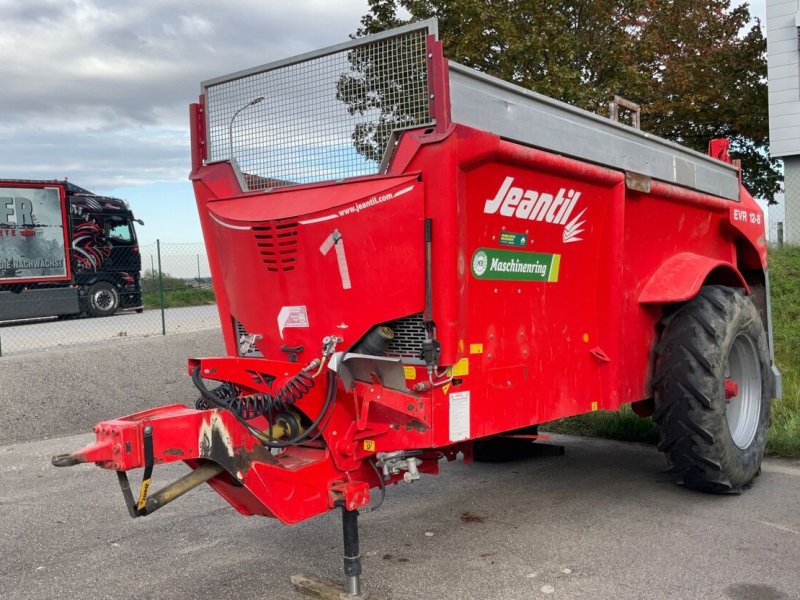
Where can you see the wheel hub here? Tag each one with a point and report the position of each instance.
(103, 299)
(731, 389)
(743, 391)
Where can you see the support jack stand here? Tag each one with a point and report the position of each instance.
(326, 590)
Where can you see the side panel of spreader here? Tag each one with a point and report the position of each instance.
(540, 264)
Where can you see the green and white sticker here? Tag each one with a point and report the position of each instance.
(489, 263)
(518, 240)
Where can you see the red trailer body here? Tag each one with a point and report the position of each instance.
(514, 279)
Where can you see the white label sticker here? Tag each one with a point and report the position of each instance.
(335, 240)
(292, 316)
(459, 416)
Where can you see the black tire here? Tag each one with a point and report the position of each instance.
(715, 444)
(500, 449)
(102, 299)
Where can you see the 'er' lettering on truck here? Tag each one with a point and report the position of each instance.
(65, 251)
(20, 209)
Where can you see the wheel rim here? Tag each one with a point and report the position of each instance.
(104, 299)
(743, 410)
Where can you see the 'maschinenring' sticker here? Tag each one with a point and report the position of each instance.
(488, 263)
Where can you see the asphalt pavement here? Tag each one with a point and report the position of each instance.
(602, 521)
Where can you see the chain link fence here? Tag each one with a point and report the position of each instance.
(176, 296)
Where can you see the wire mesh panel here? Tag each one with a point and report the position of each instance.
(322, 116)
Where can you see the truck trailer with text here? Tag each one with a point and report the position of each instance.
(65, 251)
(414, 261)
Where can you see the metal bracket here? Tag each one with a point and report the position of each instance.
(620, 102)
(351, 366)
(139, 508)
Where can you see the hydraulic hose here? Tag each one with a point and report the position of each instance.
(213, 400)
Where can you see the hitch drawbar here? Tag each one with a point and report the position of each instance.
(223, 454)
(113, 449)
(301, 454)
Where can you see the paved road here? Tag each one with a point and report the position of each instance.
(43, 334)
(601, 522)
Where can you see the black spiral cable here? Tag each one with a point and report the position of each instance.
(215, 401)
(260, 403)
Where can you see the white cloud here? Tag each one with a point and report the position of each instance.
(98, 90)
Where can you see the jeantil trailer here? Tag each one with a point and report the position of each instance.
(414, 260)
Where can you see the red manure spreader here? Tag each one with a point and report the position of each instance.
(414, 260)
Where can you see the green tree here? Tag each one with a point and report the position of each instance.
(149, 281)
(692, 65)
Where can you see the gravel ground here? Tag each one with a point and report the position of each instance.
(68, 390)
(603, 521)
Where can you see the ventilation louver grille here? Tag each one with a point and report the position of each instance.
(409, 333)
(277, 245)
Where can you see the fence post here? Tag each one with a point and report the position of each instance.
(161, 289)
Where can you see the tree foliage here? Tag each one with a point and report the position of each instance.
(387, 85)
(695, 68)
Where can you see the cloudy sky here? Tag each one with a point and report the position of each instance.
(98, 90)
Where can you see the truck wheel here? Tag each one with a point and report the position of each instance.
(103, 299)
(713, 388)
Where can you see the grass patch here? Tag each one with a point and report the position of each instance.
(784, 273)
(620, 424)
(179, 298)
(784, 436)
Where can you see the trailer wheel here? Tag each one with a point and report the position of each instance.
(103, 299)
(713, 388)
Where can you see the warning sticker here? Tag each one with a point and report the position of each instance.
(292, 316)
(459, 416)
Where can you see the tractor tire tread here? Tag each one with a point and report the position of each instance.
(688, 390)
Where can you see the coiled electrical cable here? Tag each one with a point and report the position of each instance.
(225, 393)
(258, 404)
(217, 402)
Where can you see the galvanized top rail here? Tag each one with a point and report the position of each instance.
(515, 113)
(429, 25)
